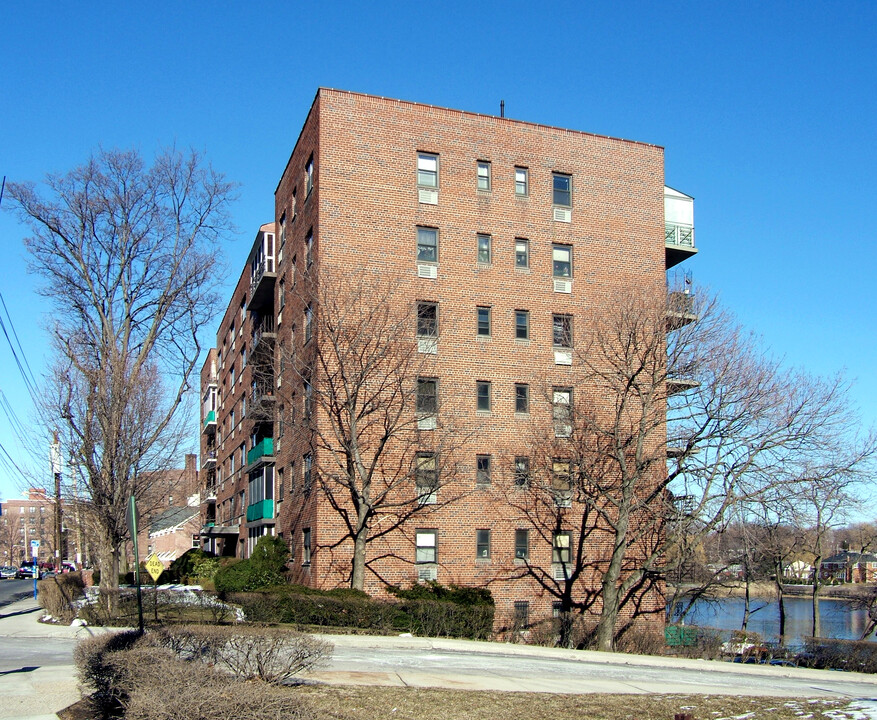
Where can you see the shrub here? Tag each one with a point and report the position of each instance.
(184, 567)
(243, 576)
(464, 612)
(270, 654)
(855, 655)
(151, 682)
(642, 639)
(270, 555)
(56, 595)
(93, 659)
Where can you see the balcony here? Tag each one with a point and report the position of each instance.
(262, 392)
(208, 495)
(677, 384)
(678, 227)
(210, 422)
(263, 330)
(680, 310)
(263, 452)
(208, 460)
(262, 510)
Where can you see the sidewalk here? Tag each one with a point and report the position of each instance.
(33, 691)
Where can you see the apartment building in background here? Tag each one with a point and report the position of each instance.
(497, 235)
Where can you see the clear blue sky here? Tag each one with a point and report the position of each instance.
(768, 114)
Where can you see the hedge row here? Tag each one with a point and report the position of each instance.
(442, 612)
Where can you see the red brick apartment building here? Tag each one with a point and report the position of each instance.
(494, 234)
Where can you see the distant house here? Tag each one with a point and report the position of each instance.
(798, 570)
(173, 532)
(849, 566)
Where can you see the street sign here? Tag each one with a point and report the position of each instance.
(34, 548)
(154, 566)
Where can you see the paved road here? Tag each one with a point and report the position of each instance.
(12, 590)
(460, 664)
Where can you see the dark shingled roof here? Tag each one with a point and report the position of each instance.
(853, 558)
(172, 517)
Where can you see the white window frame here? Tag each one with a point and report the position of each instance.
(484, 252)
(483, 176)
(425, 546)
(522, 249)
(428, 170)
(522, 181)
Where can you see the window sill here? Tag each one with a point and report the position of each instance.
(484, 338)
(482, 561)
(522, 415)
(483, 413)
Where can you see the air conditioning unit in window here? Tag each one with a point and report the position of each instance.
(561, 214)
(425, 498)
(426, 423)
(427, 271)
(562, 430)
(429, 197)
(426, 573)
(429, 346)
(562, 286)
(562, 356)
(559, 571)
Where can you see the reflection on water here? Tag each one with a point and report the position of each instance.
(837, 619)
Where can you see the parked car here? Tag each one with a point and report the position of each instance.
(7, 571)
(28, 570)
(67, 567)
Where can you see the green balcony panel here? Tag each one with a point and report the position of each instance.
(210, 417)
(263, 510)
(264, 448)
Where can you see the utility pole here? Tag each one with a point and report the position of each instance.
(55, 455)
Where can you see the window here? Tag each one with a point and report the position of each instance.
(307, 463)
(561, 482)
(561, 411)
(309, 176)
(484, 249)
(309, 319)
(522, 181)
(483, 175)
(482, 469)
(308, 399)
(560, 547)
(522, 325)
(427, 396)
(281, 294)
(522, 544)
(562, 258)
(427, 170)
(309, 249)
(522, 613)
(482, 389)
(427, 319)
(293, 271)
(280, 486)
(562, 189)
(483, 321)
(427, 244)
(306, 546)
(425, 477)
(294, 204)
(522, 471)
(425, 542)
(562, 331)
(482, 544)
(522, 253)
(282, 237)
(522, 398)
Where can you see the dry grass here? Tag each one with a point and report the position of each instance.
(362, 703)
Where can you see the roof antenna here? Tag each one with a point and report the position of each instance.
(502, 108)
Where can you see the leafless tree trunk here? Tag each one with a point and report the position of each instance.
(384, 451)
(127, 257)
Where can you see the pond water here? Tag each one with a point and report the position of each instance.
(838, 620)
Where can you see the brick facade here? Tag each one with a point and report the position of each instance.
(526, 218)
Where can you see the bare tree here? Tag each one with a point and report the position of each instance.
(673, 404)
(383, 451)
(12, 537)
(127, 258)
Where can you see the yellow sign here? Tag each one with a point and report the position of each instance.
(154, 566)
